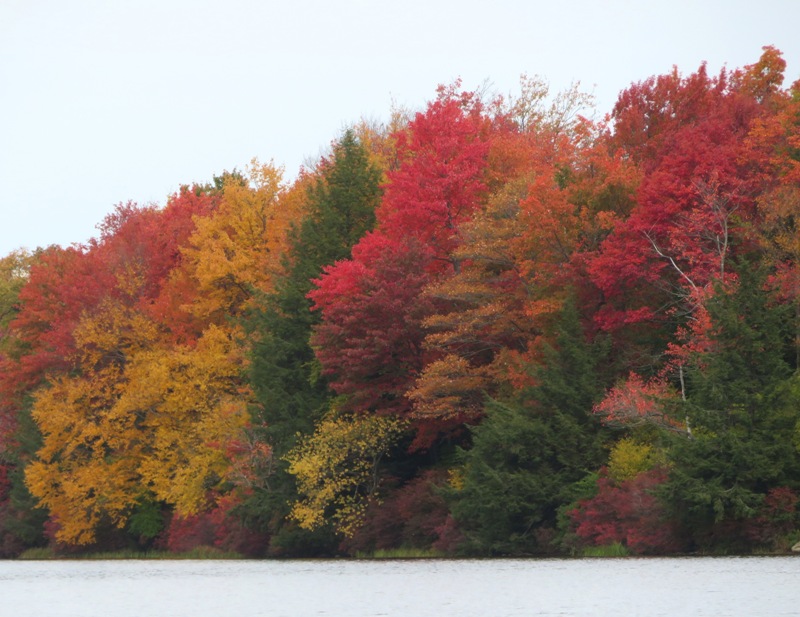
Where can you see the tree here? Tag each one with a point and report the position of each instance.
(628, 512)
(20, 522)
(191, 406)
(231, 253)
(694, 203)
(341, 206)
(440, 182)
(130, 412)
(338, 469)
(634, 402)
(85, 472)
(519, 255)
(745, 412)
(527, 453)
(369, 340)
(14, 274)
(774, 146)
(341, 198)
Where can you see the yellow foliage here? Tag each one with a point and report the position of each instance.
(449, 388)
(455, 478)
(379, 141)
(86, 467)
(141, 419)
(336, 469)
(193, 405)
(113, 333)
(629, 458)
(236, 250)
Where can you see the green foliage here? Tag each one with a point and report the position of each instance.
(401, 553)
(283, 370)
(610, 550)
(38, 554)
(284, 376)
(22, 523)
(201, 552)
(745, 413)
(147, 519)
(527, 453)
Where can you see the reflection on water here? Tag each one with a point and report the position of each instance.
(463, 588)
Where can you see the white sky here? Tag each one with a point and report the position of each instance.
(105, 101)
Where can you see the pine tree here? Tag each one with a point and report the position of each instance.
(529, 452)
(745, 412)
(283, 373)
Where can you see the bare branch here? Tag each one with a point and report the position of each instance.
(661, 253)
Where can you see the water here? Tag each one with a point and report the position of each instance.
(460, 588)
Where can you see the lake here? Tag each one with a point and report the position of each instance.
(716, 587)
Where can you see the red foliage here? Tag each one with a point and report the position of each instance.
(173, 291)
(216, 528)
(688, 135)
(777, 517)
(412, 516)
(635, 402)
(62, 284)
(628, 513)
(137, 249)
(440, 182)
(5, 481)
(370, 340)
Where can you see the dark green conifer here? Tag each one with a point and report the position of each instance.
(291, 395)
(744, 411)
(528, 452)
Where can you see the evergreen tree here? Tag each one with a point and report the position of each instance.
(745, 411)
(284, 375)
(528, 453)
(21, 521)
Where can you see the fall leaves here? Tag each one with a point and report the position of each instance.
(428, 301)
(153, 394)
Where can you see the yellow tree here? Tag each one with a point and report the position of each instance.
(337, 469)
(139, 417)
(140, 421)
(237, 248)
(191, 407)
(86, 470)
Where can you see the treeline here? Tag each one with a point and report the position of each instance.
(492, 327)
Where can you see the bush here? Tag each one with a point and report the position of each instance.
(628, 513)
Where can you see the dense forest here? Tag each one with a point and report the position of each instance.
(488, 327)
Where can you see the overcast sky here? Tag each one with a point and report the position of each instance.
(105, 101)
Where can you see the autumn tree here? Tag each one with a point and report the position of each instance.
(628, 512)
(774, 146)
(693, 204)
(520, 254)
(369, 340)
(338, 470)
(100, 454)
(233, 252)
(85, 472)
